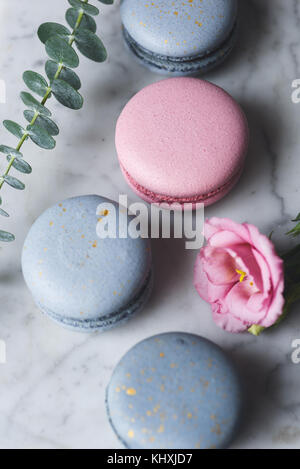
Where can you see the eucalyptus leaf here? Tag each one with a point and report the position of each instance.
(90, 45)
(14, 182)
(297, 218)
(14, 128)
(87, 22)
(33, 104)
(43, 122)
(6, 237)
(66, 74)
(10, 151)
(61, 52)
(86, 7)
(47, 30)
(3, 213)
(66, 95)
(41, 137)
(20, 165)
(35, 82)
(61, 81)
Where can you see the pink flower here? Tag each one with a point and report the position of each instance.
(239, 273)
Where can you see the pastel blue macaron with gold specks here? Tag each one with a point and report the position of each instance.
(175, 391)
(81, 280)
(178, 37)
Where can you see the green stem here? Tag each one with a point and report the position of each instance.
(45, 98)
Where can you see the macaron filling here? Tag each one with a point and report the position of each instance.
(108, 321)
(202, 198)
(184, 64)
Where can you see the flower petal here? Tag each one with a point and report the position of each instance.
(265, 246)
(275, 308)
(237, 303)
(207, 291)
(227, 321)
(219, 266)
(216, 225)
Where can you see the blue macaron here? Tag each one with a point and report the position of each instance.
(175, 391)
(180, 37)
(80, 278)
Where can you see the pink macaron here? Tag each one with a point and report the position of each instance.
(182, 140)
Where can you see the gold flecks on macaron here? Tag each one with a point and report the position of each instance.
(216, 429)
(131, 434)
(131, 392)
(205, 383)
(161, 354)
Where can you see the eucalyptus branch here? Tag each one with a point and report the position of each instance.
(63, 83)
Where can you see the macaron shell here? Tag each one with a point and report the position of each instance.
(207, 200)
(103, 323)
(182, 137)
(74, 274)
(177, 28)
(166, 65)
(175, 391)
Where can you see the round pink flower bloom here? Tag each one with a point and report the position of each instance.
(239, 273)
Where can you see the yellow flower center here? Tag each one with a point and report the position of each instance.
(242, 274)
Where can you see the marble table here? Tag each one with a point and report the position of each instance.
(53, 383)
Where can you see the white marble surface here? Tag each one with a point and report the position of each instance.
(52, 386)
